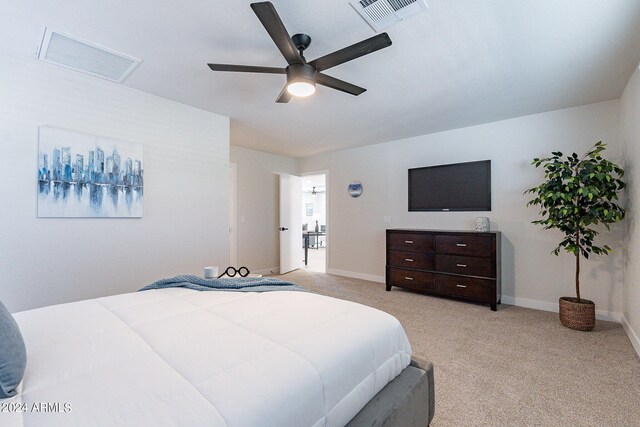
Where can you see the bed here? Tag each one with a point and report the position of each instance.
(179, 357)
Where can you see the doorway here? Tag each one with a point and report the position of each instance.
(314, 221)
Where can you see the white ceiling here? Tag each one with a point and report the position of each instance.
(462, 62)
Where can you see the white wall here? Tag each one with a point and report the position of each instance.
(531, 276)
(258, 195)
(186, 153)
(630, 135)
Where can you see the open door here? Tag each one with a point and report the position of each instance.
(291, 251)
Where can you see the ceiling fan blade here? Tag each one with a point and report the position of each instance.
(271, 21)
(247, 68)
(338, 84)
(284, 96)
(354, 51)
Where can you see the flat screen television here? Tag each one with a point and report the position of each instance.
(454, 187)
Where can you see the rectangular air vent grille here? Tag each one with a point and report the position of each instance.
(384, 13)
(76, 54)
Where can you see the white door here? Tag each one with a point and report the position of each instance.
(290, 230)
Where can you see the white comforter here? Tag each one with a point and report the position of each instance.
(176, 357)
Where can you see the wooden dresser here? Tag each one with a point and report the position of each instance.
(459, 264)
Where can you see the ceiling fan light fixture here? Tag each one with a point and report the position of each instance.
(301, 88)
(301, 80)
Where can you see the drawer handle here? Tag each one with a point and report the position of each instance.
(409, 278)
(408, 241)
(461, 286)
(461, 265)
(408, 259)
(462, 245)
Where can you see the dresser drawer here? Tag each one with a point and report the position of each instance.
(465, 287)
(410, 242)
(472, 266)
(417, 260)
(464, 245)
(416, 280)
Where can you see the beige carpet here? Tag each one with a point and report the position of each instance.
(513, 367)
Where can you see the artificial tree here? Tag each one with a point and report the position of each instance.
(578, 194)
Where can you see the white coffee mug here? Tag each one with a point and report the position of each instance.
(211, 272)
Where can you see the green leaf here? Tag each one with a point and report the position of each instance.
(576, 195)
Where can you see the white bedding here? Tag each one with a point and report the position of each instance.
(177, 357)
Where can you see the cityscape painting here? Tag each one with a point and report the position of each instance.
(80, 175)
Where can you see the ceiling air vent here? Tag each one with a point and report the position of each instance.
(381, 14)
(86, 57)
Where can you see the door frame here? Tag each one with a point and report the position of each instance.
(233, 214)
(324, 172)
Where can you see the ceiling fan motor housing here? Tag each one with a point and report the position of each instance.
(301, 73)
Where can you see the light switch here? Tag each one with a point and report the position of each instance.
(243, 220)
(387, 219)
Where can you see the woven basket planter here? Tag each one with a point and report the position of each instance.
(579, 316)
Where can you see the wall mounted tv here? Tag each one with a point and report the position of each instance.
(454, 187)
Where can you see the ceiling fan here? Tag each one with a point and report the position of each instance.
(302, 76)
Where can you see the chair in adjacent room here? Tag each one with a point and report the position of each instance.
(321, 239)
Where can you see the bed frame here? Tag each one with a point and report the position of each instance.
(408, 400)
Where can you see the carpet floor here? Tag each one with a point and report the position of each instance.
(513, 367)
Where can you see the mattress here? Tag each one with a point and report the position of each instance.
(177, 357)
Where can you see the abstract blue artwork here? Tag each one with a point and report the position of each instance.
(81, 175)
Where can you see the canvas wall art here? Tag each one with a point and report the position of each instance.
(81, 175)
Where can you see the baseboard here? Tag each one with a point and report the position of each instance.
(633, 337)
(267, 271)
(529, 303)
(355, 275)
(553, 307)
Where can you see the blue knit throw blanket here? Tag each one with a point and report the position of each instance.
(235, 284)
